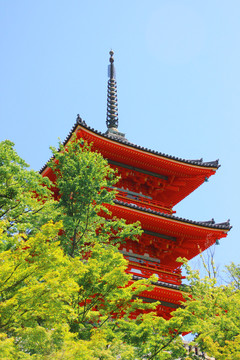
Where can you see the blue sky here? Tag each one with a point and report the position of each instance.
(178, 76)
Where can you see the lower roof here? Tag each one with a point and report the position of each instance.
(206, 224)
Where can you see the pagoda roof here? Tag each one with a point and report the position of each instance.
(122, 140)
(180, 177)
(206, 224)
(186, 237)
(189, 174)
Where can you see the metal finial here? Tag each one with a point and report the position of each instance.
(111, 53)
(112, 104)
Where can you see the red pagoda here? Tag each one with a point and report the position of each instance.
(151, 184)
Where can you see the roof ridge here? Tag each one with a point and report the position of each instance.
(123, 140)
(200, 162)
(211, 223)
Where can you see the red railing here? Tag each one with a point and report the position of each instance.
(143, 202)
(146, 269)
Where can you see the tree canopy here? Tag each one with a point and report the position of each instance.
(64, 292)
(210, 312)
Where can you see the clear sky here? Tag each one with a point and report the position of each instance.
(178, 73)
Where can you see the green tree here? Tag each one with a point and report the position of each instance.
(104, 303)
(233, 273)
(35, 281)
(52, 296)
(25, 199)
(211, 313)
(84, 181)
(64, 293)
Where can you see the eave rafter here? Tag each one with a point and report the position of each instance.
(185, 175)
(136, 169)
(172, 237)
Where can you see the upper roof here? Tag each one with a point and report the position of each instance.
(115, 135)
(181, 176)
(120, 138)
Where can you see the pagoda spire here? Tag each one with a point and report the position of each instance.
(112, 103)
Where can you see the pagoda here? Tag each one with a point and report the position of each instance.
(151, 184)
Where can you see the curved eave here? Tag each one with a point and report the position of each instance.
(208, 167)
(198, 163)
(192, 237)
(207, 225)
(160, 293)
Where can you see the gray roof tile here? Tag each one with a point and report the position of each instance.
(211, 224)
(123, 140)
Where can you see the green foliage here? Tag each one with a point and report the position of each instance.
(84, 180)
(25, 200)
(210, 312)
(64, 293)
(35, 281)
(153, 337)
(53, 305)
(233, 272)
